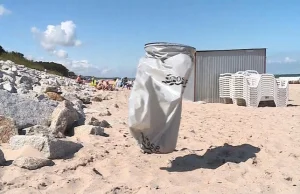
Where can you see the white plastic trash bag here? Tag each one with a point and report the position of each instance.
(155, 101)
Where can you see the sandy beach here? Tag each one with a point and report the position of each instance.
(222, 148)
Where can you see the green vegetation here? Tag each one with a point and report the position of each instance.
(18, 58)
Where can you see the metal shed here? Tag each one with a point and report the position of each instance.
(203, 83)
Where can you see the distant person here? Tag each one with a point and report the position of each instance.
(124, 82)
(129, 85)
(93, 82)
(114, 84)
(117, 83)
(100, 85)
(79, 80)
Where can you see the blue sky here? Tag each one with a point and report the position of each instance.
(109, 35)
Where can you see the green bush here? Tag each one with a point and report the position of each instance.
(18, 58)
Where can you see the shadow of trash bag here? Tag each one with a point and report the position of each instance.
(213, 158)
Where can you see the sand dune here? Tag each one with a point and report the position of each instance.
(221, 149)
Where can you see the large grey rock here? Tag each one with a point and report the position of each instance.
(49, 89)
(7, 77)
(63, 118)
(22, 91)
(5, 67)
(8, 86)
(14, 69)
(24, 111)
(7, 129)
(52, 148)
(2, 158)
(32, 163)
(69, 96)
(26, 80)
(77, 104)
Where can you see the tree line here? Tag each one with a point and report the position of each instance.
(20, 59)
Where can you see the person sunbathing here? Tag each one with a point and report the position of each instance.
(105, 85)
(79, 80)
(100, 85)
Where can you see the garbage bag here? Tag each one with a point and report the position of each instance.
(155, 102)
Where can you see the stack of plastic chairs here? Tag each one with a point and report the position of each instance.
(282, 93)
(238, 88)
(252, 90)
(248, 88)
(221, 86)
(224, 87)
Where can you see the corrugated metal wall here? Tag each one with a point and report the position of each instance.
(210, 64)
(190, 88)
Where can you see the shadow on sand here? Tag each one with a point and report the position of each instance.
(292, 105)
(213, 158)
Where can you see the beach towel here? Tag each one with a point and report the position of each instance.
(155, 101)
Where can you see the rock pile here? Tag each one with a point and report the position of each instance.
(39, 109)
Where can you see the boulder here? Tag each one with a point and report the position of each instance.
(63, 118)
(51, 148)
(97, 99)
(77, 104)
(26, 80)
(5, 67)
(85, 99)
(14, 69)
(93, 121)
(2, 158)
(41, 97)
(50, 89)
(7, 129)
(24, 111)
(37, 130)
(88, 129)
(22, 91)
(107, 97)
(32, 163)
(105, 124)
(71, 97)
(105, 113)
(8, 86)
(8, 76)
(55, 96)
(25, 86)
